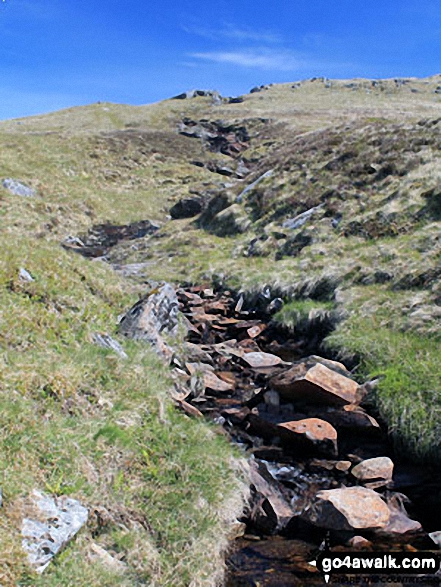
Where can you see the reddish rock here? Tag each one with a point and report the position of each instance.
(316, 385)
(348, 508)
(311, 434)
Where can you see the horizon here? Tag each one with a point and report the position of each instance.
(62, 56)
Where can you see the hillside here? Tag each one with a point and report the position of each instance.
(324, 192)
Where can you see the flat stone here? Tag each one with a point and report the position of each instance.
(316, 385)
(213, 382)
(311, 434)
(58, 520)
(18, 189)
(260, 360)
(348, 508)
(376, 472)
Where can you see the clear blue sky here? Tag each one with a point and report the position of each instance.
(60, 53)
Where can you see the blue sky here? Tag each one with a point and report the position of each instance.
(60, 53)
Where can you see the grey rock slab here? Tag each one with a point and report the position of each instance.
(59, 520)
(18, 189)
(107, 342)
(24, 275)
(151, 317)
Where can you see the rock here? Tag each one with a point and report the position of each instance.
(236, 415)
(399, 524)
(375, 472)
(301, 219)
(316, 385)
(349, 418)
(186, 208)
(153, 315)
(237, 100)
(230, 221)
(348, 508)
(436, 538)
(259, 360)
(58, 520)
(107, 342)
(359, 543)
(18, 189)
(211, 381)
(271, 511)
(311, 435)
(25, 275)
(197, 93)
(98, 553)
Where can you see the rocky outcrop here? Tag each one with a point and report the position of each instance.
(186, 208)
(151, 317)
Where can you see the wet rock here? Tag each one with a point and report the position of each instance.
(107, 342)
(316, 385)
(236, 415)
(58, 520)
(102, 237)
(311, 435)
(348, 508)
(271, 509)
(18, 189)
(186, 208)
(375, 472)
(152, 316)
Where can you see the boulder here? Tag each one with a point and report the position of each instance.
(310, 435)
(315, 385)
(57, 521)
(186, 208)
(18, 189)
(348, 508)
(375, 472)
(152, 316)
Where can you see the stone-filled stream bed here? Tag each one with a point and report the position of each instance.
(321, 467)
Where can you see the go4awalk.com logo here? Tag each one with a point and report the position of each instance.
(369, 563)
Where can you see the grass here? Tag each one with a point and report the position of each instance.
(78, 420)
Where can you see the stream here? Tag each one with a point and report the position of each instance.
(237, 354)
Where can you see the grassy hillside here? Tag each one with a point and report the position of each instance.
(78, 420)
